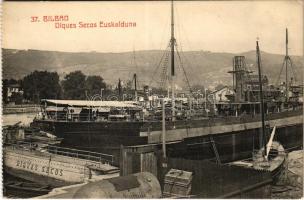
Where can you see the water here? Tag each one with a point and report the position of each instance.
(25, 118)
(16, 193)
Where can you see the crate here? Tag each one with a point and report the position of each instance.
(177, 183)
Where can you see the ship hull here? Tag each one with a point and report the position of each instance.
(234, 137)
(40, 168)
(29, 176)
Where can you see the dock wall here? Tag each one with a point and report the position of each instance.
(16, 109)
(180, 134)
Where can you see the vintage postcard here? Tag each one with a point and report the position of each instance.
(152, 99)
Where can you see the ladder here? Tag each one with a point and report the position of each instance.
(217, 157)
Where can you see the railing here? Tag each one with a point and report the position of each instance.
(74, 153)
(27, 146)
(83, 117)
(81, 154)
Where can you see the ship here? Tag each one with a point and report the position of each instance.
(54, 166)
(221, 130)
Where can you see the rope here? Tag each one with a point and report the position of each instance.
(293, 70)
(286, 60)
(279, 77)
(184, 71)
(164, 75)
(154, 72)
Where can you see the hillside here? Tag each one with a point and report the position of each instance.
(202, 67)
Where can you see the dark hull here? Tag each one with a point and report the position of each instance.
(231, 145)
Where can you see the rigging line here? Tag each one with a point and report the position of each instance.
(181, 29)
(181, 48)
(164, 73)
(152, 80)
(189, 64)
(178, 26)
(154, 72)
(250, 91)
(137, 83)
(293, 70)
(166, 27)
(279, 77)
(181, 64)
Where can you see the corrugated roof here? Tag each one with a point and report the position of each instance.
(83, 103)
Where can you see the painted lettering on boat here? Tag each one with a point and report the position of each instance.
(34, 167)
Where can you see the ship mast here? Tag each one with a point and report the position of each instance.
(135, 76)
(119, 90)
(261, 97)
(135, 86)
(172, 43)
(286, 65)
(287, 61)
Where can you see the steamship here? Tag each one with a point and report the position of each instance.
(224, 129)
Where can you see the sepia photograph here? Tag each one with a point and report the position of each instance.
(152, 99)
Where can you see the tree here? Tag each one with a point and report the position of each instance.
(94, 84)
(4, 91)
(16, 97)
(41, 85)
(74, 86)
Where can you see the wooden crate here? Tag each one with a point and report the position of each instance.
(177, 183)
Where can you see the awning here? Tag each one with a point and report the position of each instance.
(82, 103)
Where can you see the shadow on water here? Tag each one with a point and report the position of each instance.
(17, 193)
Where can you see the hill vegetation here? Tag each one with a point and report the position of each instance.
(202, 67)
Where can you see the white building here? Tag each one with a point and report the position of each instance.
(220, 94)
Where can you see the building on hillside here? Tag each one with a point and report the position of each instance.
(220, 95)
(14, 93)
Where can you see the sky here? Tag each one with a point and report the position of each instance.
(217, 26)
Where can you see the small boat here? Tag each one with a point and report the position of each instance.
(272, 156)
(274, 160)
(27, 187)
